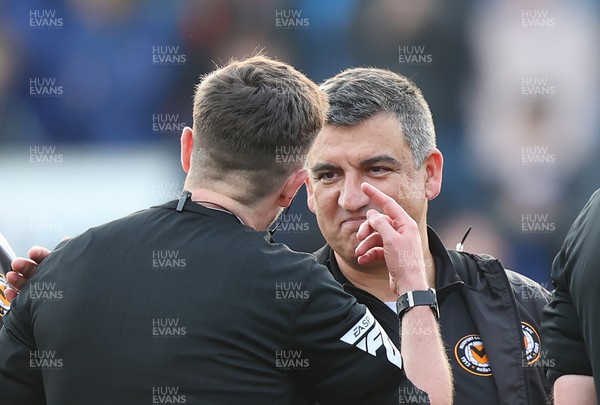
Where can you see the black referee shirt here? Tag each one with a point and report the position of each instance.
(571, 323)
(191, 307)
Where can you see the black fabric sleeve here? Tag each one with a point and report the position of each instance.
(352, 359)
(20, 379)
(566, 351)
(571, 319)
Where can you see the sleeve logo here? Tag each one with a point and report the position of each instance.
(368, 336)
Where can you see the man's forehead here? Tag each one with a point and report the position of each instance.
(360, 142)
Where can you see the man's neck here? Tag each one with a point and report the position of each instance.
(252, 216)
(375, 280)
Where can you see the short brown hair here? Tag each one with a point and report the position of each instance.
(247, 111)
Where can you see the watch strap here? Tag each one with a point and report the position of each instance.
(412, 299)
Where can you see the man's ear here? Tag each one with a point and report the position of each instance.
(310, 196)
(187, 145)
(291, 186)
(434, 165)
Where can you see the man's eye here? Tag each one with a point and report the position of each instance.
(378, 169)
(326, 176)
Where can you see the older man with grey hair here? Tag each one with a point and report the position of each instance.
(379, 130)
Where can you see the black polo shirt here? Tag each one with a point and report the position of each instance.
(473, 380)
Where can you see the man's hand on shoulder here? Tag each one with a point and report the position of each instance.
(23, 270)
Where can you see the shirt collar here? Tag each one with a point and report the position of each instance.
(219, 214)
(446, 277)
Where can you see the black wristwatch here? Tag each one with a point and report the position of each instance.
(412, 299)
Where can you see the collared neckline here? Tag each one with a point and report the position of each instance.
(446, 276)
(201, 209)
(221, 215)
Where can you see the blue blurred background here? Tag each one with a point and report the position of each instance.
(94, 94)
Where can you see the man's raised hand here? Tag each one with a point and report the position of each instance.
(394, 237)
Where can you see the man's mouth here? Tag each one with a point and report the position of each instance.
(353, 223)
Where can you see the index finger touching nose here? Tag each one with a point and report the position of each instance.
(389, 206)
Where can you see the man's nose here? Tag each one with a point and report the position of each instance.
(351, 196)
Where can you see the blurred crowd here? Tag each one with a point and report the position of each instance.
(513, 87)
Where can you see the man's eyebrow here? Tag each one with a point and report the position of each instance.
(321, 167)
(379, 159)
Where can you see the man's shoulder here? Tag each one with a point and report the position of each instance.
(322, 255)
(281, 256)
(139, 216)
(522, 281)
(526, 289)
(470, 266)
(485, 264)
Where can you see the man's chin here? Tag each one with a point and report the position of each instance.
(351, 259)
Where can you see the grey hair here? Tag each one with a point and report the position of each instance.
(360, 93)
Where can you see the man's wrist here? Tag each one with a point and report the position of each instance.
(411, 285)
(420, 298)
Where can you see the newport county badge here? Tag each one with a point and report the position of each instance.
(470, 354)
(531, 341)
(4, 304)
